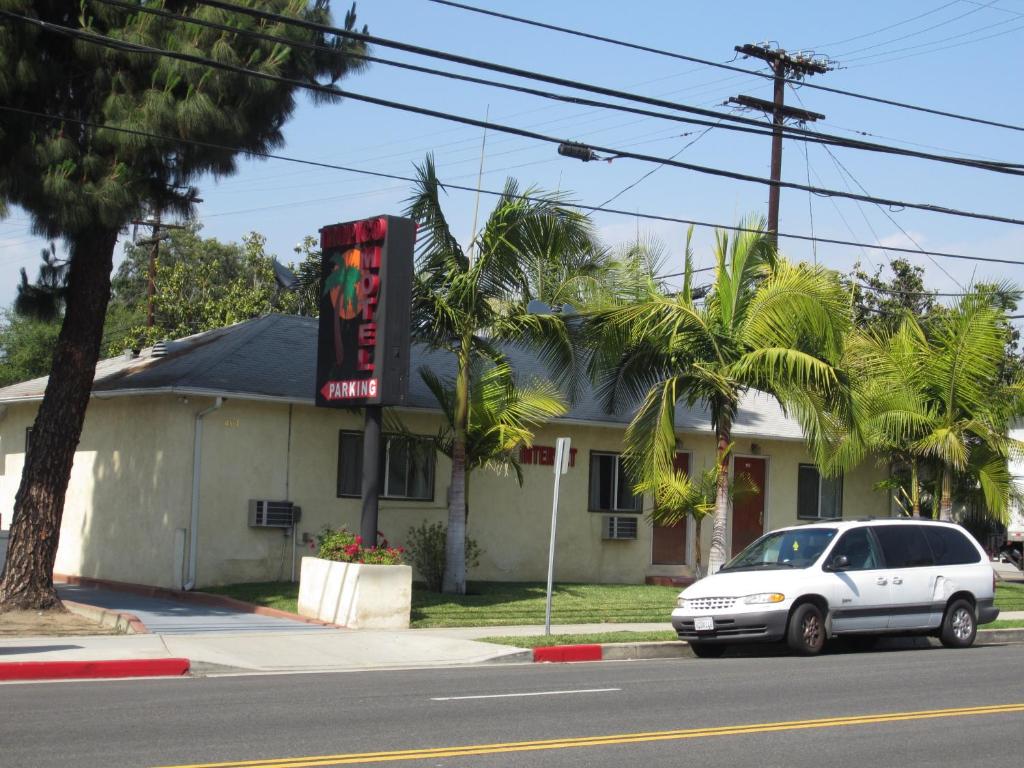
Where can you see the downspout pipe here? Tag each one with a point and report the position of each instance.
(197, 463)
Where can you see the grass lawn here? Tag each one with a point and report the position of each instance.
(1009, 596)
(501, 603)
(543, 641)
(507, 603)
(1003, 624)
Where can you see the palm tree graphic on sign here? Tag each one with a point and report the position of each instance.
(344, 285)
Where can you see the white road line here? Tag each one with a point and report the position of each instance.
(514, 695)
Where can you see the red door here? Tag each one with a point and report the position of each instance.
(748, 508)
(669, 545)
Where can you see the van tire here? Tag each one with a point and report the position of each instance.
(959, 625)
(708, 650)
(806, 632)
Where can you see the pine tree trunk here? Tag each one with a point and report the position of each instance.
(454, 582)
(716, 557)
(27, 581)
(946, 505)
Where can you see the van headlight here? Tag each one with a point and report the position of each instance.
(763, 598)
(680, 602)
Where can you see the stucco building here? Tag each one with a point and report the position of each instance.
(197, 429)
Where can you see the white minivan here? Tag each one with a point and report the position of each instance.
(809, 583)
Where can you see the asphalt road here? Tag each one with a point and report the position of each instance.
(907, 708)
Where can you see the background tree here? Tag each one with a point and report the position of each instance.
(764, 324)
(82, 181)
(29, 329)
(468, 307)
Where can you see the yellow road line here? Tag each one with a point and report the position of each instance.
(600, 741)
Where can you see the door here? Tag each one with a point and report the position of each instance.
(748, 508)
(911, 570)
(669, 541)
(860, 593)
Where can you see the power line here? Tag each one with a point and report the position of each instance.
(942, 48)
(887, 28)
(920, 31)
(670, 54)
(1001, 23)
(609, 151)
(495, 193)
(744, 125)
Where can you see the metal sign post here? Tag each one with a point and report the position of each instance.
(561, 467)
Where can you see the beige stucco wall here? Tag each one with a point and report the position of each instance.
(132, 481)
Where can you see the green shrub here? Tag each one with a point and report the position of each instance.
(426, 545)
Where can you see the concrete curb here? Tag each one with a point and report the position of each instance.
(81, 670)
(674, 649)
(123, 623)
(200, 598)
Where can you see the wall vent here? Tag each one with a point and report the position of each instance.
(619, 528)
(264, 513)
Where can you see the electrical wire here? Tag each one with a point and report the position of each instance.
(706, 62)
(108, 42)
(495, 193)
(744, 125)
(886, 29)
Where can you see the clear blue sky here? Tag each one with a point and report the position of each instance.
(962, 56)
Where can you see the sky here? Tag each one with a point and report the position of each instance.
(962, 56)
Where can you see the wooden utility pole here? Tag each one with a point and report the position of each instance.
(785, 66)
(155, 225)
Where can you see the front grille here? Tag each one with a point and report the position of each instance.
(710, 603)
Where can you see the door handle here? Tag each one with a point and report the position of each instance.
(897, 580)
(882, 581)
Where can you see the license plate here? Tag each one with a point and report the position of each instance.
(704, 624)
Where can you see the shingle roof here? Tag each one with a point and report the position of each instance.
(274, 357)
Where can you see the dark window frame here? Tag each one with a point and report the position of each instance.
(877, 529)
(386, 438)
(615, 487)
(873, 543)
(821, 480)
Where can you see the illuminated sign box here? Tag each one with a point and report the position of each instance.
(365, 312)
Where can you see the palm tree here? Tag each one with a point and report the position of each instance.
(503, 416)
(939, 397)
(764, 324)
(467, 305)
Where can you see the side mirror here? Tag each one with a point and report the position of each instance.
(839, 563)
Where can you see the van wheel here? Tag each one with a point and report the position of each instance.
(959, 626)
(806, 632)
(707, 650)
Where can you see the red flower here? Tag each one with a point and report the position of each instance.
(359, 539)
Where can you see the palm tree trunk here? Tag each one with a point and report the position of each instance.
(697, 560)
(27, 581)
(946, 505)
(716, 557)
(454, 581)
(915, 489)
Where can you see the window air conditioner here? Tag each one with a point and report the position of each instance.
(619, 527)
(264, 513)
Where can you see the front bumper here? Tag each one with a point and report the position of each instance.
(760, 626)
(986, 611)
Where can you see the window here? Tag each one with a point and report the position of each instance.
(859, 548)
(817, 497)
(610, 489)
(408, 466)
(795, 548)
(950, 546)
(28, 439)
(904, 545)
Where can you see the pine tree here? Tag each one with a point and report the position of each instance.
(81, 153)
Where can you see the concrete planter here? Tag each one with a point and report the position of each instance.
(354, 595)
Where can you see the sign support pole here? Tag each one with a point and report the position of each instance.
(561, 467)
(371, 474)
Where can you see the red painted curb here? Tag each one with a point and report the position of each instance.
(202, 598)
(69, 670)
(568, 653)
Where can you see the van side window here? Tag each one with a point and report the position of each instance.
(904, 545)
(950, 546)
(859, 549)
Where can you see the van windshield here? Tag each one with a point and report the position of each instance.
(798, 548)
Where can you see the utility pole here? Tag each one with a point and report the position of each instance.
(156, 225)
(785, 66)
